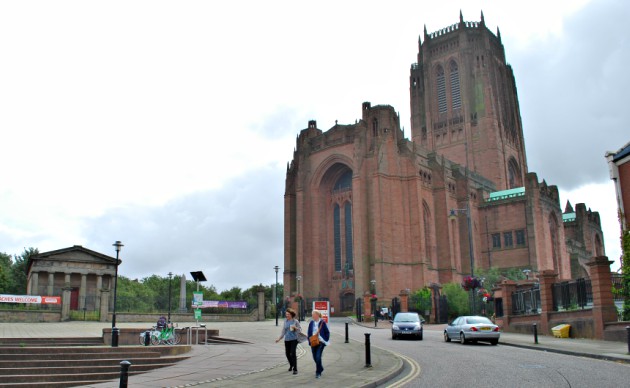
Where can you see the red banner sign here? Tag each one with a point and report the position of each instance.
(4, 298)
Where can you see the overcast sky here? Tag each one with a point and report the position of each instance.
(168, 125)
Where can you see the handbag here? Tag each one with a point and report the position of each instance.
(314, 339)
(301, 337)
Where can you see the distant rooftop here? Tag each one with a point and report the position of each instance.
(505, 194)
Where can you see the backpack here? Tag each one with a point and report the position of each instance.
(161, 322)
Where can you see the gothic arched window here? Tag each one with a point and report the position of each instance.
(337, 236)
(456, 99)
(555, 249)
(441, 89)
(348, 226)
(514, 174)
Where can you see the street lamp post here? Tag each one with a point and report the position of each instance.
(298, 278)
(118, 245)
(275, 294)
(470, 245)
(373, 300)
(170, 276)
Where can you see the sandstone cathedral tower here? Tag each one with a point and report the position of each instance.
(367, 209)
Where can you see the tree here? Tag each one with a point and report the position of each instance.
(625, 273)
(457, 299)
(19, 269)
(6, 280)
(420, 300)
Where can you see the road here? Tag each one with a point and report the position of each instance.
(435, 363)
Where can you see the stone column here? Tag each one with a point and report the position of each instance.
(507, 289)
(99, 295)
(604, 309)
(82, 291)
(51, 283)
(547, 279)
(104, 310)
(261, 305)
(35, 283)
(367, 306)
(65, 298)
(404, 301)
(435, 301)
(182, 295)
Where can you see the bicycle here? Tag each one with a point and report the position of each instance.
(167, 336)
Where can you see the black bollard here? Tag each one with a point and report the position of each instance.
(368, 355)
(347, 340)
(535, 333)
(628, 337)
(115, 332)
(124, 373)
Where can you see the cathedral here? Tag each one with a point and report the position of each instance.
(368, 210)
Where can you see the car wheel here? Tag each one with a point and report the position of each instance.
(393, 336)
(446, 337)
(420, 336)
(494, 342)
(462, 339)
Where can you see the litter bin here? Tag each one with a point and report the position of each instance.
(561, 331)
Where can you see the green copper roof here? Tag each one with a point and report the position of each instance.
(568, 217)
(504, 194)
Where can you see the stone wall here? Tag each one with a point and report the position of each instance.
(129, 317)
(29, 316)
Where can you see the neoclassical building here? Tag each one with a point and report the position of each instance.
(84, 278)
(367, 207)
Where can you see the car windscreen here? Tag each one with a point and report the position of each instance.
(475, 320)
(406, 318)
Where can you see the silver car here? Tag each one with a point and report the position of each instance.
(473, 329)
(407, 325)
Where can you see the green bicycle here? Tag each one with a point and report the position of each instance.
(167, 336)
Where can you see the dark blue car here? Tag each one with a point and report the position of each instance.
(407, 325)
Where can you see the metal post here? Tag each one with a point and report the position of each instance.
(124, 373)
(628, 337)
(368, 355)
(170, 275)
(275, 294)
(535, 333)
(118, 246)
(470, 249)
(347, 340)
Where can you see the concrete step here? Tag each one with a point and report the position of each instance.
(77, 356)
(69, 341)
(16, 364)
(10, 380)
(7, 373)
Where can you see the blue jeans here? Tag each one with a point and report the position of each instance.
(317, 357)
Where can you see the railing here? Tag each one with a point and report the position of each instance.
(526, 301)
(572, 295)
(617, 287)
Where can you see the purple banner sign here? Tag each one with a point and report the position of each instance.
(222, 303)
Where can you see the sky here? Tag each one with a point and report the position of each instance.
(168, 125)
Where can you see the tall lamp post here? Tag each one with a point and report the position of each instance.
(298, 278)
(170, 276)
(118, 245)
(373, 300)
(275, 293)
(453, 216)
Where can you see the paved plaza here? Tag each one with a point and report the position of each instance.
(261, 363)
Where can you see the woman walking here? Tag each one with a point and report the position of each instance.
(318, 326)
(290, 331)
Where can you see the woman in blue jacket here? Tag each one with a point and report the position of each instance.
(318, 325)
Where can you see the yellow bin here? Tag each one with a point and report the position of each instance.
(561, 331)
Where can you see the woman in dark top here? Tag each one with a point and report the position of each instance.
(290, 331)
(317, 323)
